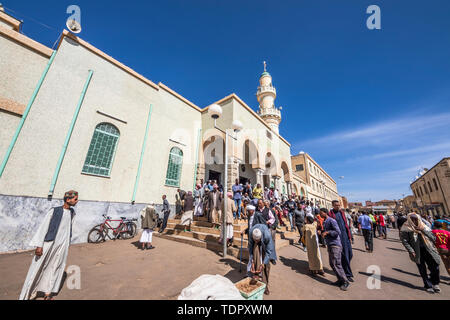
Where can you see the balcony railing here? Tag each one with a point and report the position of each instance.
(272, 111)
(263, 89)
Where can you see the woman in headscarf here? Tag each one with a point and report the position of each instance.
(419, 241)
(312, 243)
(229, 216)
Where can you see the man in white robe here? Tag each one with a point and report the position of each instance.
(52, 241)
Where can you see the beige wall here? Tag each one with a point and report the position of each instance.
(126, 99)
(8, 125)
(20, 70)
(117, 93)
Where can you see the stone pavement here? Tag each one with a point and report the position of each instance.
(119, 270)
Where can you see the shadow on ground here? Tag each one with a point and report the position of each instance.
(238, 272)
(301, 266)
(418, 275)
(392, 280)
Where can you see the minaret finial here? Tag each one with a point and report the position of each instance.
(265, 65)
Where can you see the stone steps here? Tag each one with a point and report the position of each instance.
(208, 238)
(213, 246)
(205, 236)
(205, 224)
(237, 232)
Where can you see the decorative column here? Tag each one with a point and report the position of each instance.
(259, 176)
(201, 171)
(233, 171)
(289, 188)
(275, 182)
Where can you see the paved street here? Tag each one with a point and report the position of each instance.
(118, 270)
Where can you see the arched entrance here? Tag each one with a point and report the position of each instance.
(285, 178)
(214, 158)
(270, 169)
(250, 160)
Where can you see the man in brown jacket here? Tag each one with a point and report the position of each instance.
(148, 216)
(229, 216)
(215, 205)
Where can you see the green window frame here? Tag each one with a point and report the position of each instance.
(174, 167)
(101, 151)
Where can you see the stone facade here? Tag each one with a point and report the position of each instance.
(322, 189)
(432, 189)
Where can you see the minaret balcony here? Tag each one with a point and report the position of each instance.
(272, 112)
(266, 89)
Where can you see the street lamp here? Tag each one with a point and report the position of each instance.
(215, 111)
(322, 182)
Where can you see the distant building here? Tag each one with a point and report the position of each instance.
(432, 189)
(386, 203)
(370, 203)
(344, 202)
(322, 189)
(409, 204)
(353, 205)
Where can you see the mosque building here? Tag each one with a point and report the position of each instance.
(76, 118)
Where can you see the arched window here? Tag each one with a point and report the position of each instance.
(174, 167)
(101, 150)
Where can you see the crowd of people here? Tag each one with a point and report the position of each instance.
(264, 211)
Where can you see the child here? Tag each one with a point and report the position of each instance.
(442, 244)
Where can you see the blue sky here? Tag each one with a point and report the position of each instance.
(369, 105)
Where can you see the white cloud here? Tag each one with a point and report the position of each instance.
(382, 133)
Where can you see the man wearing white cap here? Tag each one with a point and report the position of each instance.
(215, 205)
(261, 252)
(148, 216)
(250, 214)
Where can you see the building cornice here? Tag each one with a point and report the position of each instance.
(12, 106)
(166, 88)
(107, 57)
(422, 176)
(27, 42)
(15, 23)
(234, 96)
(312, 160)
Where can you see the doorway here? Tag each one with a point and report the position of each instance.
(214, 175)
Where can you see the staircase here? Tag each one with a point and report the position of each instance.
(202, 233)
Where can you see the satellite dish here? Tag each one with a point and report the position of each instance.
(73, 26)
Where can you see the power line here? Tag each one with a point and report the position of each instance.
(31, 19)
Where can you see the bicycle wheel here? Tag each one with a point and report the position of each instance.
(129, 232)
(96, 235)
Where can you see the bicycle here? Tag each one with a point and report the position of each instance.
(126, 229)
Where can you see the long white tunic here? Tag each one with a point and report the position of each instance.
(46, 272)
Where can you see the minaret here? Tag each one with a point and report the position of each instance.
(266, 95)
